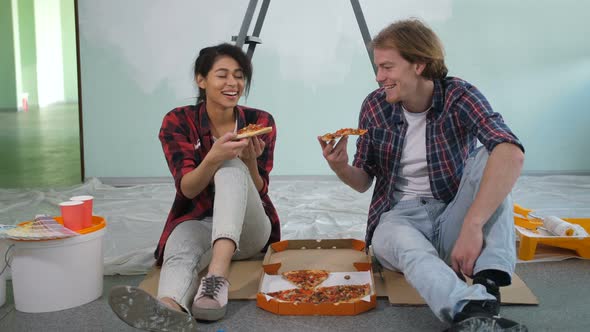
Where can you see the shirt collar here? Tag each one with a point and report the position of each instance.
(438, 99)
(435, 108)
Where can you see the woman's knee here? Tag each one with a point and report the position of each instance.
(234, 168)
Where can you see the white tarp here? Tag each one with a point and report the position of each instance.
(308, 208)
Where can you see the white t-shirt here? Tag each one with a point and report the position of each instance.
(412, 180)
(235, 130)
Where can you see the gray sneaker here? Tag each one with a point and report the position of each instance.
(139, 309)
(210, 303)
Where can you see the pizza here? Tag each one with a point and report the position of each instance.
(340, 293)
(332, 294)
(296, 295)
(342, 132)
(252, 130)
(306, 279)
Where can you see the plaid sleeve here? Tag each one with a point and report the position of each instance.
(266, 159)
(476, 113)
(364, 157)
(178, 148)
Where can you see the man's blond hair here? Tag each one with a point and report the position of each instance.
(416, 43)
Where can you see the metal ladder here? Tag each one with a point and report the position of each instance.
(254, 39)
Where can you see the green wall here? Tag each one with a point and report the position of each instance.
(28, 54)
(7, 63)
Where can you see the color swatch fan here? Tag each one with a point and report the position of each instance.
(42, 228)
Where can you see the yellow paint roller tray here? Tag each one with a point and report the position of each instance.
(530, 237)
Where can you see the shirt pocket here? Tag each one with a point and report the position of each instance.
(383, 144)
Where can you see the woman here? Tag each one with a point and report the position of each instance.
(222, 210)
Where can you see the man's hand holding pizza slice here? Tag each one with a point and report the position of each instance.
(336, 153)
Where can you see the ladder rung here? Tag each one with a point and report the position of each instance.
(249, 39)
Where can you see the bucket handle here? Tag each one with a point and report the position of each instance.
(6, 259)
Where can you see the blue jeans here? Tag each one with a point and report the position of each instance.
(417, 236)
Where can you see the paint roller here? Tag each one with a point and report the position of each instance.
(560, 227)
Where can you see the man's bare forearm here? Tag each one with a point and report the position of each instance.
(355, 177)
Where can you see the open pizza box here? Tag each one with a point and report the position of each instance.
(345, 259)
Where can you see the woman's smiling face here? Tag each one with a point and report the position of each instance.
(224, 83)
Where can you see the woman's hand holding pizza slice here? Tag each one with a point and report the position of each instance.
(226, 148)
(253, 150)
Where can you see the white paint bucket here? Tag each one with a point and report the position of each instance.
(57, 274)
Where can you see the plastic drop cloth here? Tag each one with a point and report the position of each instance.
(308, 208)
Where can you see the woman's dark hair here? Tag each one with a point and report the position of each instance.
(209, 55)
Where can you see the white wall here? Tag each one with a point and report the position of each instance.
(17, 56)
(50, 73)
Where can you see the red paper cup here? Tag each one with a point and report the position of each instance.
(87, 206)
(72, 212)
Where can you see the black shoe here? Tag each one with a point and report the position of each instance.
(479, 307)
(139, 309)
(491, 287)
(482, 316)
(487, 324)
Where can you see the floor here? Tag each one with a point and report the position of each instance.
(560, 287)
(40, 148)
(136, 214)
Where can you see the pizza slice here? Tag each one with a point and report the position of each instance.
(296, 295)
(252, 130)
(340, 293)
(343, 132)
(306, 279)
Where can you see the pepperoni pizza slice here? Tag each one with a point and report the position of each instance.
(252, 130)
(342, 132)
(306, 279)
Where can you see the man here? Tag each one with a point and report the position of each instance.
(441, 207)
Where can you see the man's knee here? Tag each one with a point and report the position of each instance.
(388, 246)
(378, 244)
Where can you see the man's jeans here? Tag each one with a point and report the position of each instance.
(417, 237)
